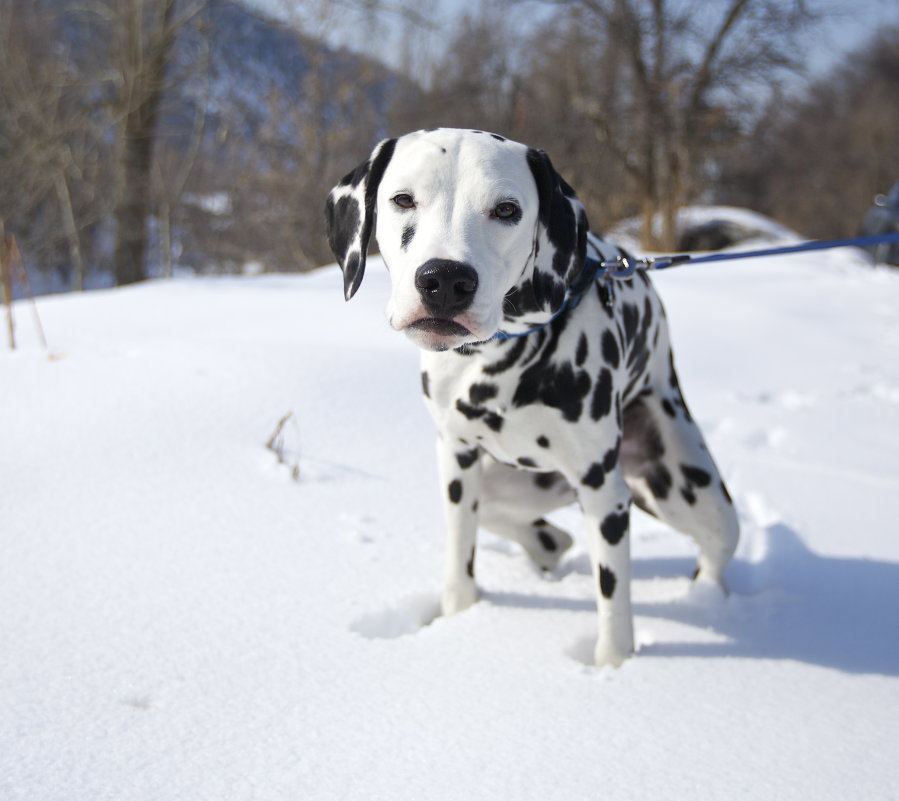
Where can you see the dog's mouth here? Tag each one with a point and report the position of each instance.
(439, 326)
(438, 333)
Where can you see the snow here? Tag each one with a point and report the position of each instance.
(181, 619)
(756, 229)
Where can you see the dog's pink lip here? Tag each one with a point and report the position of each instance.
(439, 325)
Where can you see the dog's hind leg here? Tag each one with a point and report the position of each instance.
(673, 477)
(514, 503)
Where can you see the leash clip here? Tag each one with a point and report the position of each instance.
(625, 267)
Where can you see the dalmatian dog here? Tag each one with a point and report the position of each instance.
(546, 384)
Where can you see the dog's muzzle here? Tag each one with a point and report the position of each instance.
(446, 288)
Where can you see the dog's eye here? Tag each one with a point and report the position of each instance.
(404, 201)
(507, 210)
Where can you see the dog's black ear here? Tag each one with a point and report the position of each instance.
(350, 215)
(561, 243)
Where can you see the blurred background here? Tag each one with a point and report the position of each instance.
(148, 138)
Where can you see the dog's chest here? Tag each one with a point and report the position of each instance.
(523, 413)
(476, 410)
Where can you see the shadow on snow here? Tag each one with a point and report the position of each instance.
(835, 612)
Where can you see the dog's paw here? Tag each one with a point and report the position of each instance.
(458, 598)
(611, 655)
(616, 641)
(709, 576)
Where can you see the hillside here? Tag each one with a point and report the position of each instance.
(257, 121)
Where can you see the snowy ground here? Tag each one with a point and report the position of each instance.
(179, 619)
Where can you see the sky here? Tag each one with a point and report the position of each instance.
(850, 23)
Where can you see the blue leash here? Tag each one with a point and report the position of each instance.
(625, 267)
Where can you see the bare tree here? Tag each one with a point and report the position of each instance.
(682, 69)
(816, 162)
(48, 139)
(145, 32)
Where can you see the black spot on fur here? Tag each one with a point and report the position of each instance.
(426, 384)
(522, 300)
(611, 457)
(601, 403)
(614, 527)
(631, 319)
(467, 458)
(498, 137)
(647, 316)
(493, 421)
(547, 541)
(696, 475)
(594, 477)
(469, 411)
(610, 351)
(689, 495)
(659, 480)
(408, 233)
(555, 384)
(547, 292)
(566, 390)
(607, 582)
(344, 221)
(478, 393)
(509, 358)
(546, 480)
(669, 408)
(526, 461)
(582, 350)
(637, 333)
(455, 490)
(542, 441)
(470, 566)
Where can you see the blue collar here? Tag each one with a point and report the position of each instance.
(593, 269)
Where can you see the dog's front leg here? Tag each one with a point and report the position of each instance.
(607, 520)
(460, 477)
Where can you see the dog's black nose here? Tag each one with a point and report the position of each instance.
(446, 287)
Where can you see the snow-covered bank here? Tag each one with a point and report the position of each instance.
(179, 619)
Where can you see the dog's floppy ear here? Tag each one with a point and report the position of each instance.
(561, 242)
(350, 215)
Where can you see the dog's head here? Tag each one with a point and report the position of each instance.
(479, 234)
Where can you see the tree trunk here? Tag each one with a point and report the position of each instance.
(147, 81)
(71, 229)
